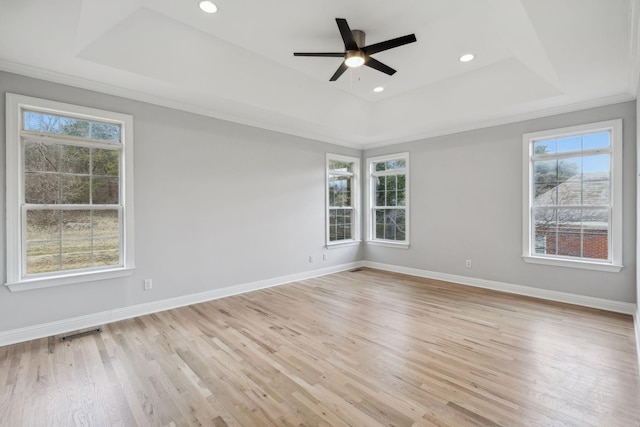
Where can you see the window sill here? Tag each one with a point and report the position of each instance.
(68, 279)
(344, 244)
(388, 244)
(585, 265)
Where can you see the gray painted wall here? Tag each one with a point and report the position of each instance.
(216, 204)
(466, 203)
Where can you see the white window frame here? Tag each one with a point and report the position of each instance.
(370, 221)
(355, 199)
(17, 280)
(614, 264)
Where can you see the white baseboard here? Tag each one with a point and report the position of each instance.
(600, 303)
(636, 324)
(92, 320)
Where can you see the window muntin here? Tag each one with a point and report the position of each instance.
(342, 199)
(69, 193)
(388, 199)
(573, 201)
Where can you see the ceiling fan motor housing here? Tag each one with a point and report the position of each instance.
(358, 36)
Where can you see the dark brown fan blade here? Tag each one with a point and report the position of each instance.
(389, 44)
(328, 54)
(347, 35)
(341, 69)
(377, 65)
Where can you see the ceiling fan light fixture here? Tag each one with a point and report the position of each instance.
(354, 59)
(208, 6)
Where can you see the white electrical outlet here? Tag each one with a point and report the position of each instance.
(310, 258)
(324, 256)
(148, 284)
(467, 263)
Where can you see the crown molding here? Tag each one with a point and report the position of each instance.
(355, 141)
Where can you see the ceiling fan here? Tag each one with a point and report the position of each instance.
(356, 53)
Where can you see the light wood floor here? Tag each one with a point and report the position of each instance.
(363, 348)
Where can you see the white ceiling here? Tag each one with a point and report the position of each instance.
(533, 58)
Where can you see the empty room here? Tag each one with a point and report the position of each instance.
(295, 213)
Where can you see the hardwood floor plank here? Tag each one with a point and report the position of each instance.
(365, 348)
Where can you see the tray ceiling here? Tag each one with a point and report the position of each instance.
(532, 58)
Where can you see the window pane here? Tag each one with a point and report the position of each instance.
(391, 182)
(546, 172)
(401, 199)
(61, 240)
(570, 181)
(340, 191)
(597, 167)
(569, 219)
(569, 236)
(540, 244)
(59, 125)
(545, 196)
(41, 188)
(390, 224)
(595, 240)
(392, 193)
(39, 157)
(544, 147)
(335, 165)
(106, 252)
(105, 162)
(402, 185)
(569, 244)
(106, 223)
(75, 160)
(569, 168)
(398, 164)
(596, 140)
(44, 224)
(43, 257)
(43, 245)
(571, 143)
(76, 254)
(76, 224)
(545, 227)
(387, 190)
(105, 191)
(340, 224)
(596, 192)
(74, 189)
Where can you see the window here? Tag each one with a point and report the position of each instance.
(389, 200)
(572, 197)
(69, 193)
(342, 199)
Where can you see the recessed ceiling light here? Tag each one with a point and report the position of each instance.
(467, 57)
(378, 89)
(208, 6)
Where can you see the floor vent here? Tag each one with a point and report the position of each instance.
(81, 334)
(355, 270)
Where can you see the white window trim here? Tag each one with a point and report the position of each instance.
(615, 233)
(355, 197)
(14, 165)
(369, 221)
